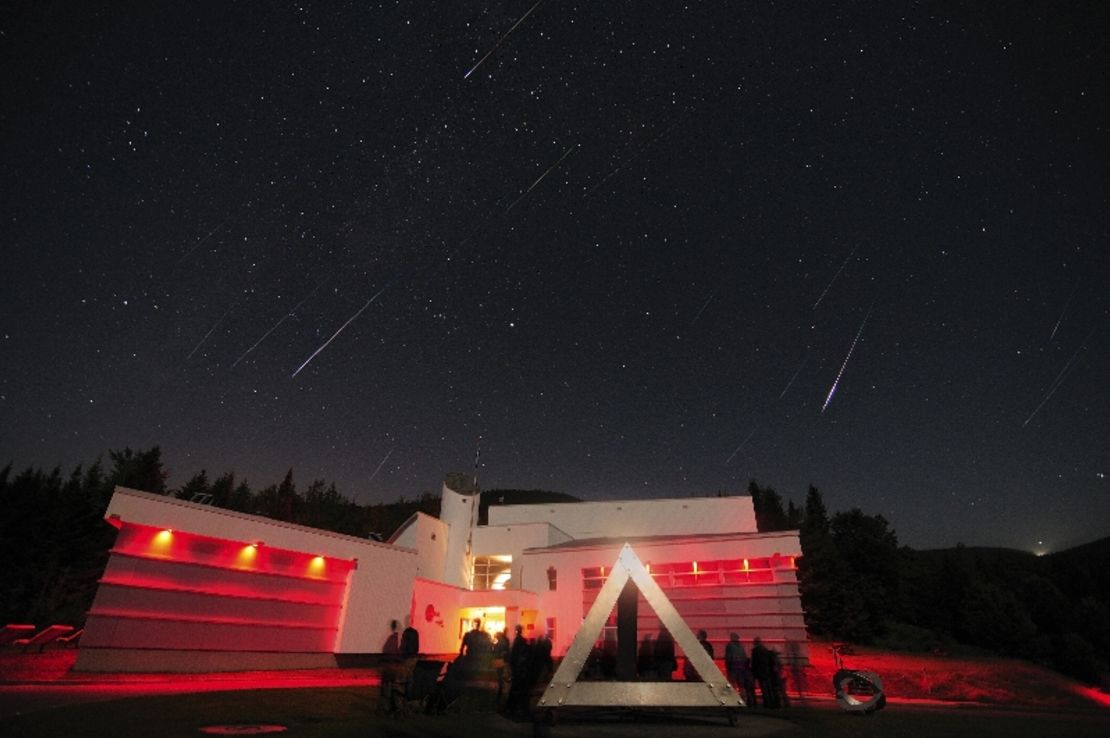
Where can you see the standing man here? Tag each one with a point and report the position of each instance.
(665, 661)
(761, 670)
(410, 641)
(739, 668)
(476, 642)
(689, 673)
(519, 655)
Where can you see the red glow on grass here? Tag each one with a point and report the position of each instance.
(1095, 695)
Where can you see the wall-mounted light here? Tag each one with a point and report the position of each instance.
(248, 553)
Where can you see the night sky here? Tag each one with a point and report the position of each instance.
(638, 249)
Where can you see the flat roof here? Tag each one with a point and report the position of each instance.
(611, 541)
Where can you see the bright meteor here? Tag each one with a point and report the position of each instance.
(839, 374)
(502, 39)
(341, 328)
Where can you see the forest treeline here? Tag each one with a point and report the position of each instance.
(857, 583)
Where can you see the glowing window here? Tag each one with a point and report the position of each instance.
(492, 572)
(704, 573)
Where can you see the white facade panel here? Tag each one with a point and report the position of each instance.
(512, 540)
(428, 537)
(633, 518)
(776, 609)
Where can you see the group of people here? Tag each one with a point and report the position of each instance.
(521, 663)
(403, 645)
(656, 661)
(528, 664)
(399, 652)
(524, 663)
(763, 668)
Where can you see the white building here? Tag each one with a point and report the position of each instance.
(190, 587)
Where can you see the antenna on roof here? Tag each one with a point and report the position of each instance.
(477, 455)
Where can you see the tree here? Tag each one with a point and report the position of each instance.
(140, 470)
(222, 490)
(991, 616)
(824, 580)
(870, 550)
(198, 485)
(769, 513)
(279, 502)
(243, 499)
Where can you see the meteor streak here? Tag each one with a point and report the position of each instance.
(1059, 379)
(502, 39)
(742, 444)
(791, 382)
(852, 348)
(540, 178)
(276, 326)
(380, 465)
(341, 328)
(199, 243)
(838, 271)
(209, 333)
(1065, 310)
(704, 306)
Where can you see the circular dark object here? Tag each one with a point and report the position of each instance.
(859, 691)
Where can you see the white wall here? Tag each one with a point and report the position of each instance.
(460, 512)
(566, 603)
(499, 540)
(631, 518)
(428, 537)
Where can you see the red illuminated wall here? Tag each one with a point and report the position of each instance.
(181, 591)
(753, 597)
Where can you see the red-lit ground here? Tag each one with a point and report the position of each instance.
(989, 680)
(55, 668)
(47, 679)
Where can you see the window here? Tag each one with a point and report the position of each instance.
(703, 573)
(492, 572)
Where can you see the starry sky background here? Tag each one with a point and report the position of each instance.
(632, 250)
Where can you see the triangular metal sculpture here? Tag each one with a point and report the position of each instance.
(566, 691)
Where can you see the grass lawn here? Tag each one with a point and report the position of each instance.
(955, 678)
(1015, 698)
(333, 712)
(352, 711)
